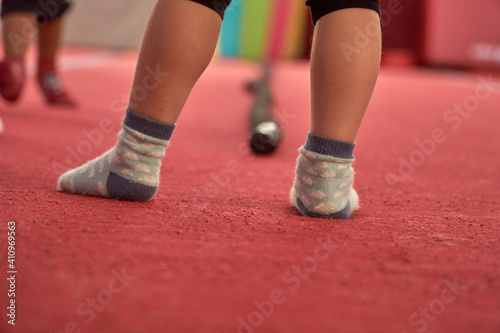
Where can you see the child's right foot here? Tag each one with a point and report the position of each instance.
(324, 177)
(12, 74)
(51, 86)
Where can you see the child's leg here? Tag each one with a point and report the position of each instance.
(343, 75)
(20, 24)
(49, 35)
(343, 71)
(18, 31)
(178, 45)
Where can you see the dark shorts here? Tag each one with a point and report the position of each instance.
(318, 7)
(45, 10)
(323, 7)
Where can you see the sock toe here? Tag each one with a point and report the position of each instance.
(59, 184)
(354, 200)
(293, 197)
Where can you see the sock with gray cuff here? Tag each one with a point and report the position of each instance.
(130, 170)
(324, 178)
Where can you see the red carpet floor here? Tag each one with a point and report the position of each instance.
(220, 249)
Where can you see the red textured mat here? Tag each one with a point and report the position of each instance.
(220, 249)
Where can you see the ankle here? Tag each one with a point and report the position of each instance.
(46, 65)
(46, 68)
(328, 146)
(10, 59)
(15, 64)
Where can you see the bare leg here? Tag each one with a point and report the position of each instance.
(18, 32)
(343, 71)
(178, 45)
(49, 36)
(345, 61)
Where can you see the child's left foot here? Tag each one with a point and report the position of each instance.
(129, 171)
(323, 179)
(51, 86)
(12, 74)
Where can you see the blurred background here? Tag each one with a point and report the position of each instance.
(447, 33)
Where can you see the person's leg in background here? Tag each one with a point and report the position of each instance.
(177, 47)
(22, 20)
(49, 36)
(345, 60)
(18, 30)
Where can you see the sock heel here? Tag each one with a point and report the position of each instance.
(343, 214)
(120, 188)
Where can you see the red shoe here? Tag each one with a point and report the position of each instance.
(51, 86)
(12, 74)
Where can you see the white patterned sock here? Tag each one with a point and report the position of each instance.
(129, 171)
(324, 178)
